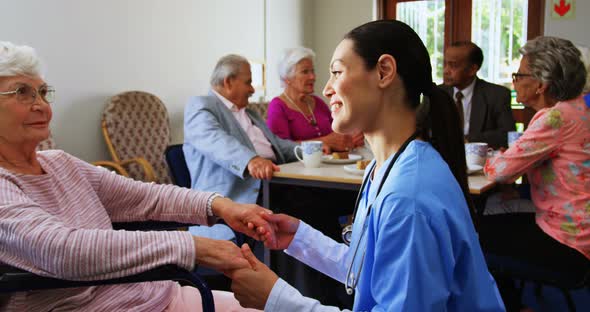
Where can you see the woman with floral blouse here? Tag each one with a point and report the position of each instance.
(554, 153)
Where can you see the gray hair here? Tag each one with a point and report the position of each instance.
(290, 58)
(18, 60)
(227, 67)
(558, 63)
(585, 51)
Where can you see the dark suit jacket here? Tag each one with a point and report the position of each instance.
(491, 114)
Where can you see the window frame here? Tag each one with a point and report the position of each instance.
(458, 18)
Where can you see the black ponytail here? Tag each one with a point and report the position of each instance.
(443, 130)
(438, 119)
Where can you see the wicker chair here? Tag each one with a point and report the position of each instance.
(136, 129)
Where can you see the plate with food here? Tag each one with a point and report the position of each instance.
(341, 158)
(358, 168)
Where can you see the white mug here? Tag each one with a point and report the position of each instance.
(476, 153)
(512, 137)
(311, 153)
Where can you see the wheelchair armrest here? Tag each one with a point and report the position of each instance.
(16, 280)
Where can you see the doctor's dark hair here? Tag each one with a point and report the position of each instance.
(438, 119)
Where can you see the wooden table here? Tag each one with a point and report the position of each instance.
(333, 176)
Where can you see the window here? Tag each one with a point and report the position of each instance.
(499, 28)
(427, 18)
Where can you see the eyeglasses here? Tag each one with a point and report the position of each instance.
(516, 76)
(27, 94)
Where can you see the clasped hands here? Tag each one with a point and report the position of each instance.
(252, 279)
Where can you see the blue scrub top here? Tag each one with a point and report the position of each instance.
(422, 251)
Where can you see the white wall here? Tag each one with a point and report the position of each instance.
(575, 29)
(332, 19)
(95, 49)
(285, 28)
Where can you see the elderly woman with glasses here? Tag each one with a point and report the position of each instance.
(297, 114)
(554, 153)
(56, 214)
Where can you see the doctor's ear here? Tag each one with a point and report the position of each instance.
(387, 69)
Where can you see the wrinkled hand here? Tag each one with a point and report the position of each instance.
(252, 286)
(358, 140)
(219, 254)
(261, 168)
(338, 142)
(284, 227)
(245, 218)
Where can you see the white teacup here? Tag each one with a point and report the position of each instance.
(311, 153)
(476, 153)
(512, 137)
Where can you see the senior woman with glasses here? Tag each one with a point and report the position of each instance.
(56, 215)
(297, 114)
(554, 153)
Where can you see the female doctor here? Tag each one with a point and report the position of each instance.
(413, 244)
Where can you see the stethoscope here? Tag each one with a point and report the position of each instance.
(351, 279)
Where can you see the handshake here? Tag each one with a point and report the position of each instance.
(252, 280)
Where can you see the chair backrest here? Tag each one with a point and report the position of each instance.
(136, 124)
(177, 165)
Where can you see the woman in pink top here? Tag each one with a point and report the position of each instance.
(297, 114)
(554, 153)
(56, 215)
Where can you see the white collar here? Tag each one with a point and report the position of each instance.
(467, 92)
(231, 106)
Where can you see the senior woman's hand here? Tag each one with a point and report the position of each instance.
(239, 216)
(358, 139)
(219, 254)
(252, 286)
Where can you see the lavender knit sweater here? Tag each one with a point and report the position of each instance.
(59, 224)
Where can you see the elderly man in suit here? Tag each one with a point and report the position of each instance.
(228, 148)
(485, 107)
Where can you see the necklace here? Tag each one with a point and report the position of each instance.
(310, 119)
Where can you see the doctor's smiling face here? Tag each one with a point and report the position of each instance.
(352, 90)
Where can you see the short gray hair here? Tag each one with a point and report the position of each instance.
(585, 51)
(558, 63)
(18, 60)
(227, 67)
(290, 58)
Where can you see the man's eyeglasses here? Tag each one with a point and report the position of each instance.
(27, 94)
(516, 76)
